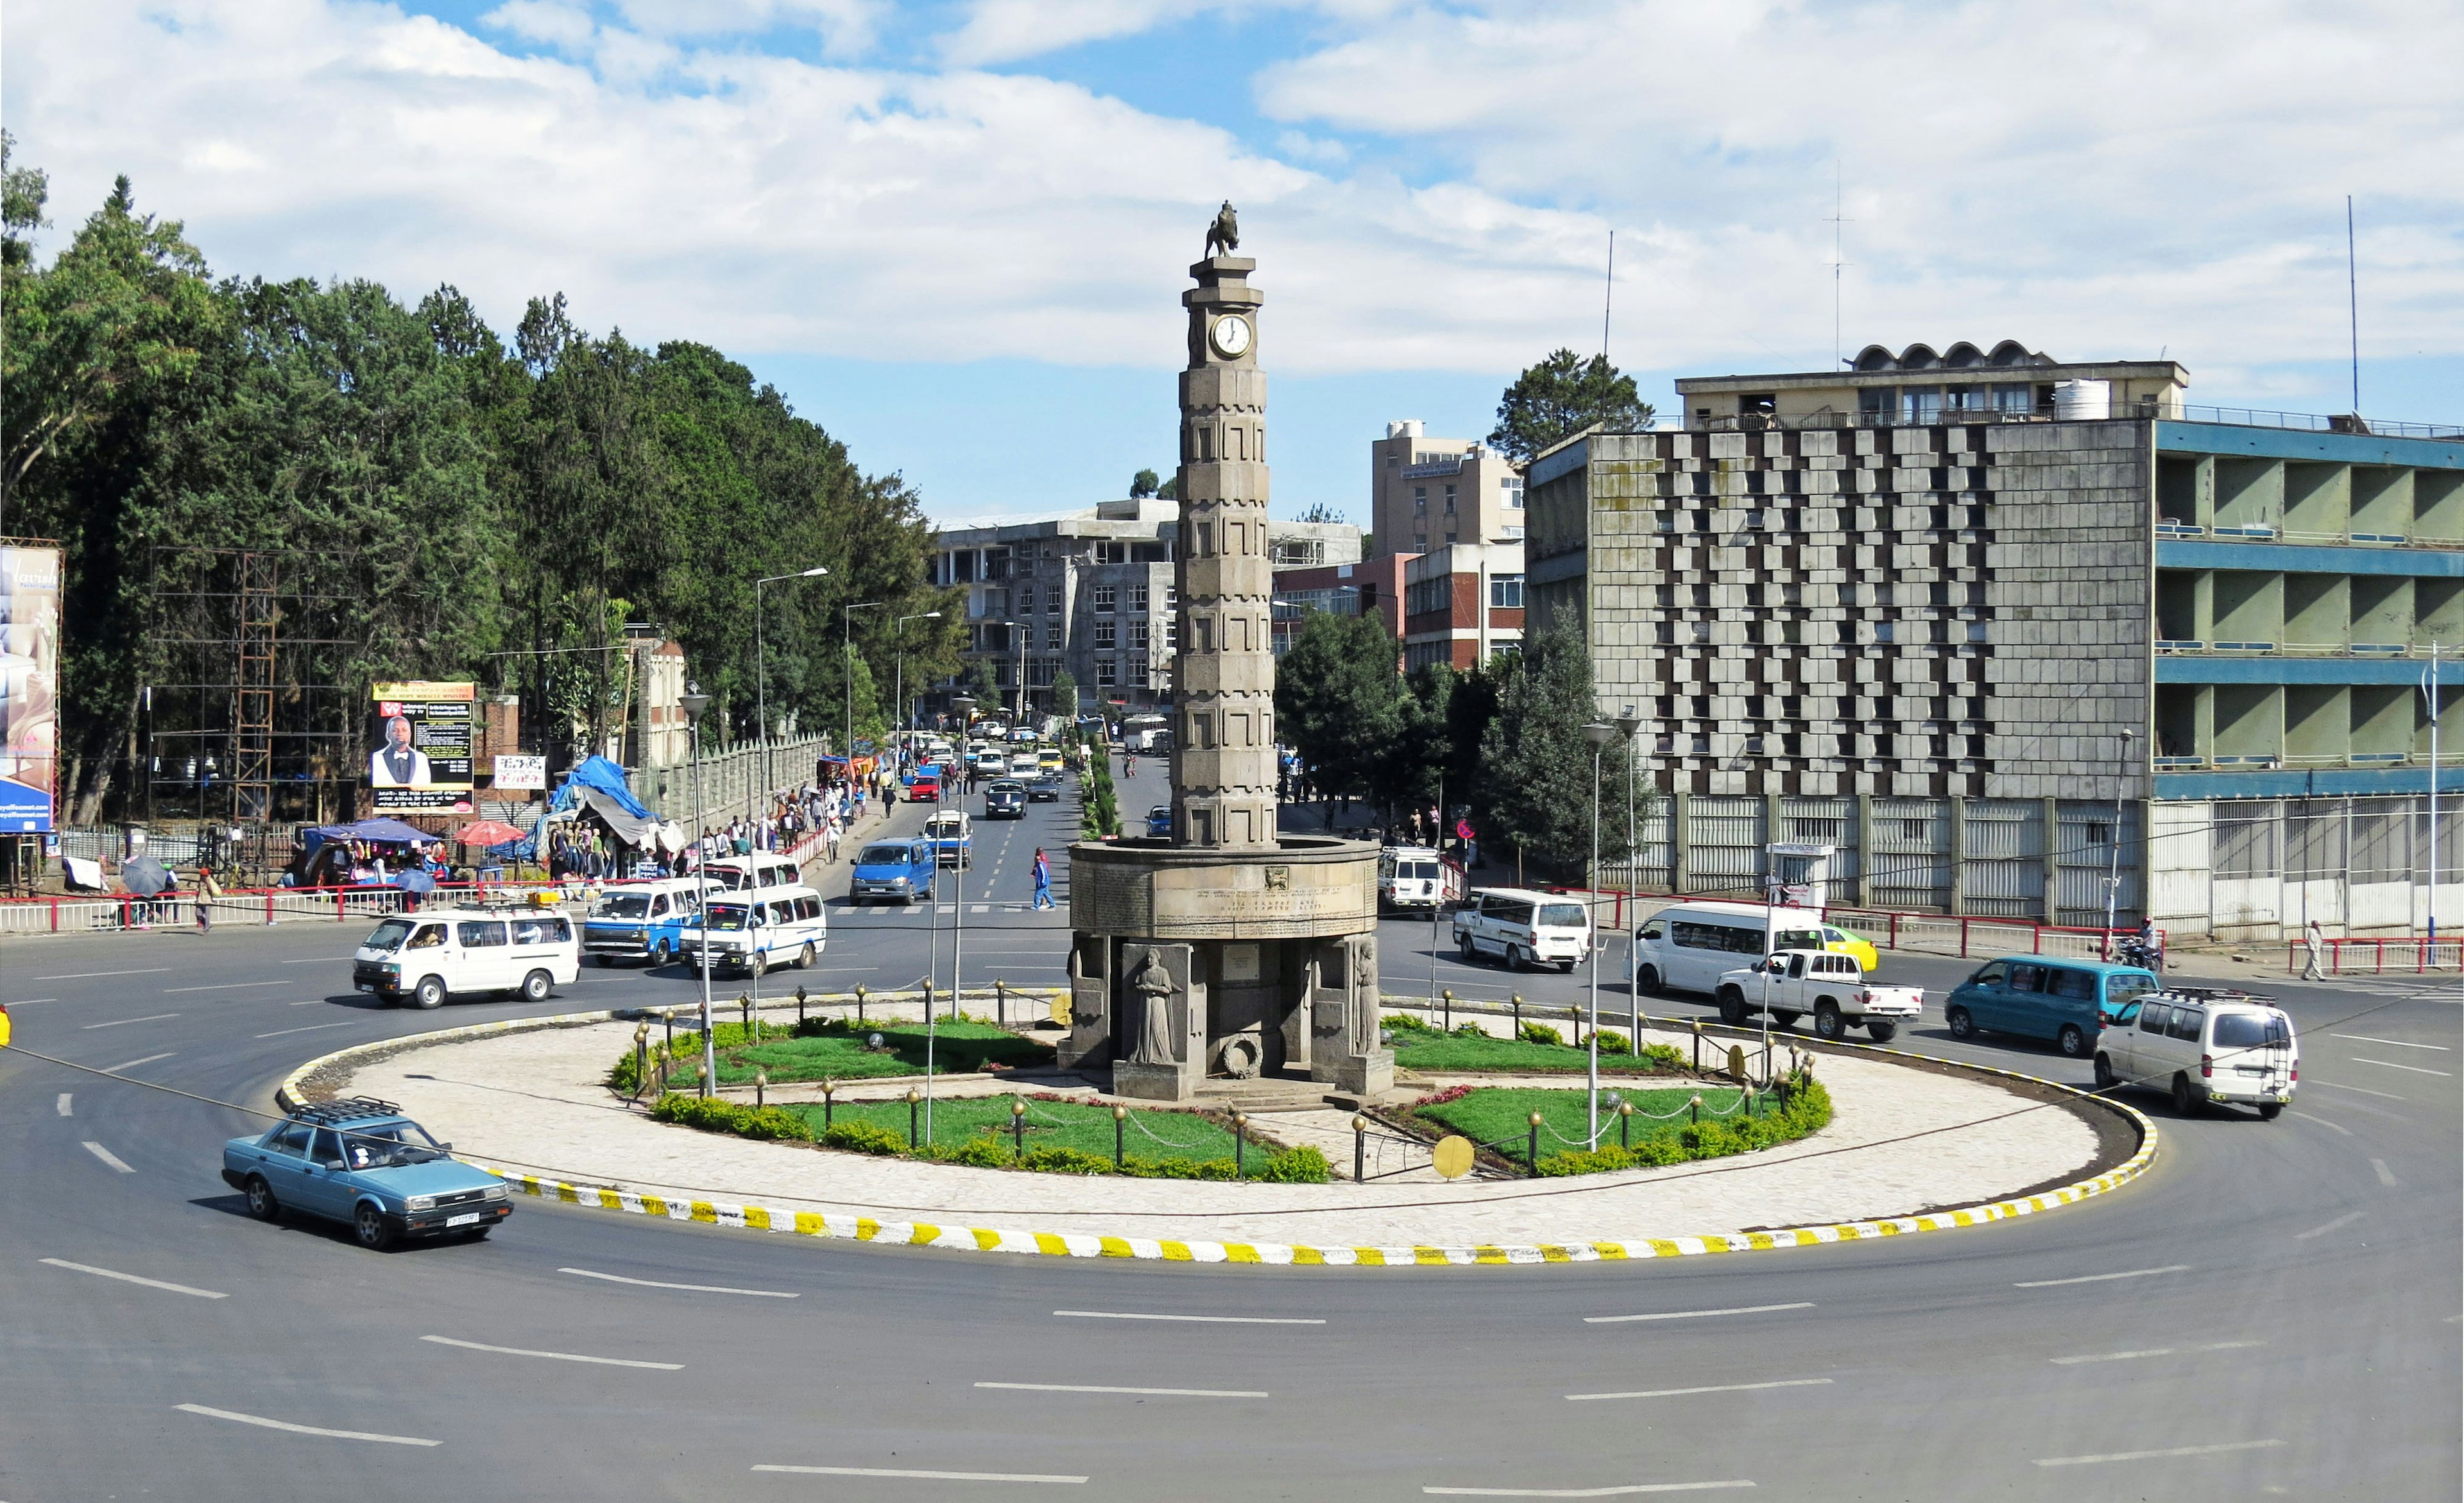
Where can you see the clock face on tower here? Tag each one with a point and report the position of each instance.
(1230, 336)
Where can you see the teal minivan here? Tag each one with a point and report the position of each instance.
(2038, 997)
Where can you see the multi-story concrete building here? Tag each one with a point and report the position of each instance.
(1463, 605)
(1091, 591)
(1425, 492)
(1344, 589)
(1989, 647)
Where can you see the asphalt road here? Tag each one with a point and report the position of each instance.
(2274, 1311)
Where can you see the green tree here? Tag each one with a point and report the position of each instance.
(1170, 489)
(1405, 775)
(1143, 484)
(1535, 762)
(1338, 700)
(23, 192)
(1064, 694)
(1561, 397)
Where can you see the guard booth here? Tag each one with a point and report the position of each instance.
(1799, 876)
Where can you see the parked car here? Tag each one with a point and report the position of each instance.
(892, 871)
(1045, 789)
(1830, 985)
(1005, 800)
(2035, 996)
(952, 835)
(759, 932)
(428, 958)
(639, 920)
(925, 788)
(1523, 928)
(2200, 1046)
(1410, 877)
(1689, 946)
(1160, 822)
(362, 1163)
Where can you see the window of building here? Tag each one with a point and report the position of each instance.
(1422, 596)
(1040, 672)
(1108, 597)
(1138, 635)
(1976, 631)
(1450, 499)
(1138, 598)
(1921, 405)
(1883, 631)
(2011, 398)
(1450, 537)
(1108, 672)
(1052, 638)
(1513, 489)
(1137, 672)
(1506, 591)
(1510, 532)
(1873, 403)
(1107, 633)
(1205, 541)
(1419, 501)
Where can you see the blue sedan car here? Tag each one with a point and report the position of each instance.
(362, 1163)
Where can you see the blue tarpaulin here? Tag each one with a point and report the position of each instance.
(595, 783)
(378, 828)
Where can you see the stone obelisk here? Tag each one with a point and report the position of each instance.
(1225, 953)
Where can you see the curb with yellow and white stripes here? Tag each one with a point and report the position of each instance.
(850, 1226)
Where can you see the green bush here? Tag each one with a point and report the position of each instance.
(1406, 1019)
(1663, 1056)
(1302, 1165)
(977, 1153)
(1065, 1160)
(1808, 1110)
(1539, 1033)
(715, 1115)
(863, 1137)
(1614, 1043)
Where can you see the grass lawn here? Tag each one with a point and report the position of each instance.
(1051, 1124)
(827, 1051)
(1426, 1049)
(1493, 1112)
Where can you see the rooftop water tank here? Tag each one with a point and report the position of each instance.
(2083, 401)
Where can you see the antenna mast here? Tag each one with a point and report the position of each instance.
(2353, 302)
(1608, 295)
(1837, 196)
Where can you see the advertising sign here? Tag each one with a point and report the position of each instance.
(422, 761)
(29, 686)
(521, 772)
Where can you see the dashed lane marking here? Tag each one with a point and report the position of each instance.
(63, 1104)
(1680, 1393)
(79, 976)
(309, 1028)
(554, 1356)
(113, 1070)
(224, 986)
(124, 1022)
(2333, 1127)
(698, 1288)
(924, 1477)
(1617, 1491)
(2364, 1038)
(131, 1278)
(1224, 1320)
(107, 1156)
(2103, 1278)
(2337, 1225)
(2386, 1176)
(2156, 1455)
(28, 1001)
(2358, 1090)
(2410, 1069)
(1696, 1315)
(302, 1429)
(2153, 1351)
(1165, 1393)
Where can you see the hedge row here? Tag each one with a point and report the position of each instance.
(1808, 1110)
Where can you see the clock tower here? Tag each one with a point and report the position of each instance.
(1224, 757)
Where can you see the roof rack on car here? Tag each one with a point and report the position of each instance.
(2218, 994)
(346, 1109)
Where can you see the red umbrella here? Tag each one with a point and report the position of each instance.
(487, 832)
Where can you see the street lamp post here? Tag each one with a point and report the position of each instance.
(963, 703)
(2113, 859)
(761, 667)
(1627, 725)
(1601, 734)
(847, 645)
(694, 703)
(898, 683)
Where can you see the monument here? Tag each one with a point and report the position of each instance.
(1227, 951)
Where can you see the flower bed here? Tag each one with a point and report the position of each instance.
(1661, 1131)
(1541, 1050)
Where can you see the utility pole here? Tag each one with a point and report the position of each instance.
(847, 645)
(2430, 691)
(2113, 863)
(761, 670)
(1600, 736)
(694, 703)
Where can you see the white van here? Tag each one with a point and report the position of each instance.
(761, 931)
(2202, 1045)
(1523, 928)
(1689, 946)
(759, 870)
(460, 951)
(1409, 877)
(638, 921)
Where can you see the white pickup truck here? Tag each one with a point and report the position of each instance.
(1830, 985)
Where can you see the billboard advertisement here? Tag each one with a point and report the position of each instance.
(30, 687)
(422, 755)
(521, 772)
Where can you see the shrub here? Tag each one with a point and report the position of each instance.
(1663, 1056)
(715, 1115)
(1065, 1160)
(1539, 1033)
(1302, 1165)
(1406, 1019)
(977, 1153)
(1808, 1110)
(1614, 1043)
(863, 1137)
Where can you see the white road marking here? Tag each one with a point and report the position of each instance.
(2332, 1127)
(302, 1429)
(2345, 1220)
(2154, 1350)
(131, 1278)
(113, 1070)
(224, 986)
(560, 1357)
(122, 1022)
(2364, 1038)
(1627, 1489)
(62, 1105)
(1695, 1314)
(2101, 1278)
(925, 1476)
(2152, 1455)
(2355, 1090)
(2410, 1069)
(309, 1029)
(2386, 1176)
(79, 975)
(1678, 1393)
(318, 959)
(108, 1156)
(1168, 1393)
(1226, 1320)
(31, 1001)
(698, 1288)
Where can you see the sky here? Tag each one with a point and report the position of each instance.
(954, 234)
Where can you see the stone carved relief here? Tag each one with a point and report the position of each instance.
(1155, 987)
(1364, 994)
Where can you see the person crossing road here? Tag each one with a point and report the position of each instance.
(1043, 879)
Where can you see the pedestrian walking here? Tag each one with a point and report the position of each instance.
(1043, 879)
(207, 893)
(2316, 942)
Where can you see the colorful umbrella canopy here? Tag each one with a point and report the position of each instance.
(487, 832)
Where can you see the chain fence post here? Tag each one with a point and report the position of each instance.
(829, 1100)
(761, 1088)
(1120, 1120)
(799, 1009)
(641, 1058)
(1240, 1144)
(1694, 1110)
(1449, 995)
(1359, 1148)
(1000, 1002)
(859, 1004)
(1516, 1000)
(911, 1098)
(1017, 1127)
(1625, 1124)
(1532, 1152)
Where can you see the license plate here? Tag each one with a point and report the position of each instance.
(470, 1220)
